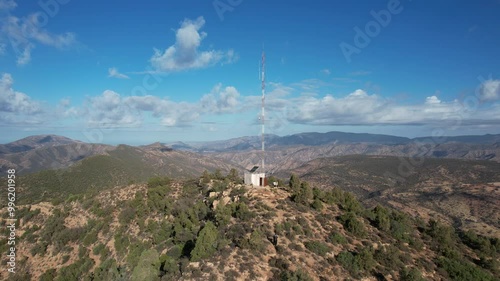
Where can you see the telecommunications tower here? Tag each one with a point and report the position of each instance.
(262, 118)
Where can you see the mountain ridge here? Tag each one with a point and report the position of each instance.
(36, 153)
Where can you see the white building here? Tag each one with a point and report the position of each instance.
(253, 177)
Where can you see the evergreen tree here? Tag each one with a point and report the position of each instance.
(148, 266)
(206, 244)
(233, 175)
(294, 182)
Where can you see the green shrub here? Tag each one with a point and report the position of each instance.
(127, 215)
(303, 194)
(461, 270)
(205, 178)
(242, 212)
(159, 182)
(48, 275)
(218, 175)
(411, 275)
(356, 263)
(121, 243)
(294, 183)
(317, 205)
(381, 218)
(337, 238)
(256, 241)
(349, 203)
(298, 275)
(352, 224)
(317, 247)
(98, 249)
(136, 248)
(206, 243)
(389, 256)
(148, 266)
(76, 270)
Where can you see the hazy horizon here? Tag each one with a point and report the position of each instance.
(144, 141)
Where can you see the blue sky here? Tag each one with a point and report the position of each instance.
(130, 72)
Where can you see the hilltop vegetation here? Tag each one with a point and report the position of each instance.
(214, 228)
(464, 193)
(121, 166)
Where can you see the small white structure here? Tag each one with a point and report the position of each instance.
(255, 178)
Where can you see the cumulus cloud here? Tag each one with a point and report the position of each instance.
(432, 100)
(490, 90)
(111, 110)
(114, 73)
(329, 109)
(360, 108)
(221, 100)
(14, 101)
(276, 98)
(185, 53)
(26, 32)
(17, 107)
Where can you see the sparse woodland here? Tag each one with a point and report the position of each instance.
(215, 228)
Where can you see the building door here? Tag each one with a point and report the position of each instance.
(261, 181)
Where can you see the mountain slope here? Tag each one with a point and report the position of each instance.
(217, 229)
(463, 192)
(33, 142)
(119, 166)
(285, 158)
(54, 156)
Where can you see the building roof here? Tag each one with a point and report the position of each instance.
(254, 169)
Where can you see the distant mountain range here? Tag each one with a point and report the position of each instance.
(36, 153)
(318, 139)
(288, 152)
(34, 142)
(48, 152)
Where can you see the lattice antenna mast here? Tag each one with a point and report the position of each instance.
(263, 117)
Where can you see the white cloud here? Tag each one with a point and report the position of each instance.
(326, 71)
(14, 101)
(17, 107)
(24, 57)
(432, 100)
(221, 100)
(113, 72)
(26, 32)
(184, 54)
(490, 90)
(111, 110)
(360, 108)
(3, 48)
(65, 110)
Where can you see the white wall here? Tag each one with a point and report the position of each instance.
(253, 179)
